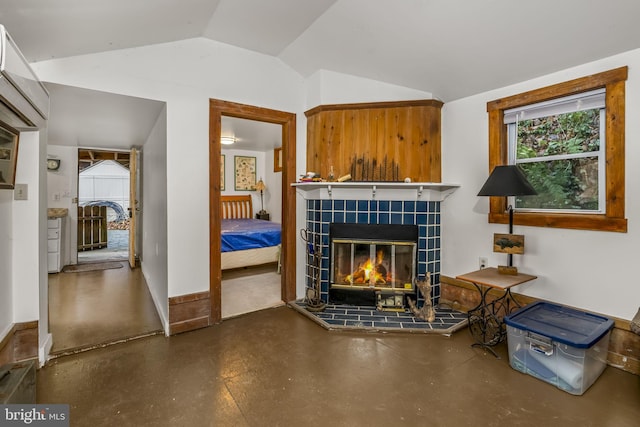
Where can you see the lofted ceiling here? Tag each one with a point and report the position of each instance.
(451, 48)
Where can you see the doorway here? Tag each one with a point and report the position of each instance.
(250, 276)
(217, 110)
(100, 300)
(103, 227)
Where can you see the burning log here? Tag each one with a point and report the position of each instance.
(370, 273)
(426, 312)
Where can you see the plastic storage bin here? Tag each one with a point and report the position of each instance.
(560, 345)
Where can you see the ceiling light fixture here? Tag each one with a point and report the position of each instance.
(227, 140)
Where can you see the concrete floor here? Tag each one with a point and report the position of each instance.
(117, 248)
(98, 307)
(277, 368)
(88, 309)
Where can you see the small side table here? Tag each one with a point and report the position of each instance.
(485, 320)
(264, 216)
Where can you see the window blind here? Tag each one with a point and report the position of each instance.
(568, 104)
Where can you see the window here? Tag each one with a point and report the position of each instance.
(559, 145)
(569, 141)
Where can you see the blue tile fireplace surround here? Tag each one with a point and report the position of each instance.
(376, 203)
(425, 214)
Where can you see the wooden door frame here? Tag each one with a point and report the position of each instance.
(133, 204)
(217, 109)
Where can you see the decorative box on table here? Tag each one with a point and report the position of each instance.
(557, 344)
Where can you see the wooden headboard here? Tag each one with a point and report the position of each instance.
(236, 207)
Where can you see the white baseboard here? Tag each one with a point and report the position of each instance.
(159, 304)
(45, 349)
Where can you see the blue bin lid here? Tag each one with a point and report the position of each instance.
(562, 324)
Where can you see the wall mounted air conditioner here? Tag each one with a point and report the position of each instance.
(24, 101)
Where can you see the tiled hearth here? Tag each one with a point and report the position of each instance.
(349, 317)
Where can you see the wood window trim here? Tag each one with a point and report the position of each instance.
(614, 218)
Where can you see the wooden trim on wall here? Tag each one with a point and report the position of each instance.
(217, 109)
(368, 105)
(188, 312)
(624, 345)
(21, 343)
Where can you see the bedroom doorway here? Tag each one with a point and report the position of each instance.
(217, 110)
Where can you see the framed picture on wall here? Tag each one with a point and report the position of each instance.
(245, 173)
(8, 156)
(222, 172)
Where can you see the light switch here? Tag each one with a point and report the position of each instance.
(21, 192)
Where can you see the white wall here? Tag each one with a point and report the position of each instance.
(591, 270)
(62, 187)
(26, 237)
(186, 74)
(153, 205)
(264, 169)
(328, 87)
(6, 262)
(26, 271)
(273, 195)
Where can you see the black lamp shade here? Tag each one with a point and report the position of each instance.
(507, 180)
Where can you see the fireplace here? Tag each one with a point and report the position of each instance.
(355, 204)
(323, 214)
(372, 262)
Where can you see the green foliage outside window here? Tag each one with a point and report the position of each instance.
(563, 173)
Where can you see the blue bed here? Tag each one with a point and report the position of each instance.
(242, 234)
(246, 241)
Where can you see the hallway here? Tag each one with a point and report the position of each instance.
(277, 368)
(92, 308)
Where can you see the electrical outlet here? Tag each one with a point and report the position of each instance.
(21, 192)
(483, 261)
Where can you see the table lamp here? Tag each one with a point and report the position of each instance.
(261, 187)
(505, 181)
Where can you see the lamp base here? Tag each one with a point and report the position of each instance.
(504, 269)
(263, 215)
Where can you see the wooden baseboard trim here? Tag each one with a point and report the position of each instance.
(21, 343)
(188, 325)
(624, 345)
(189, 312)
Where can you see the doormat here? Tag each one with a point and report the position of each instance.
(79, 268)
(370, 319)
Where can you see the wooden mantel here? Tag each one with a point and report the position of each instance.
(374, 142)
(425, 191)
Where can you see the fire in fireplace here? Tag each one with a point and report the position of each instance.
(382, 265)
(379, 258)
(374, 273)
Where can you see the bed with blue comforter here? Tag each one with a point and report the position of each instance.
(242, 234)
(246, 241)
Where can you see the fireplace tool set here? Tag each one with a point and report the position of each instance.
(313, 301)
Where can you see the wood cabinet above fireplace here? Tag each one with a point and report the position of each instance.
(376, 142)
